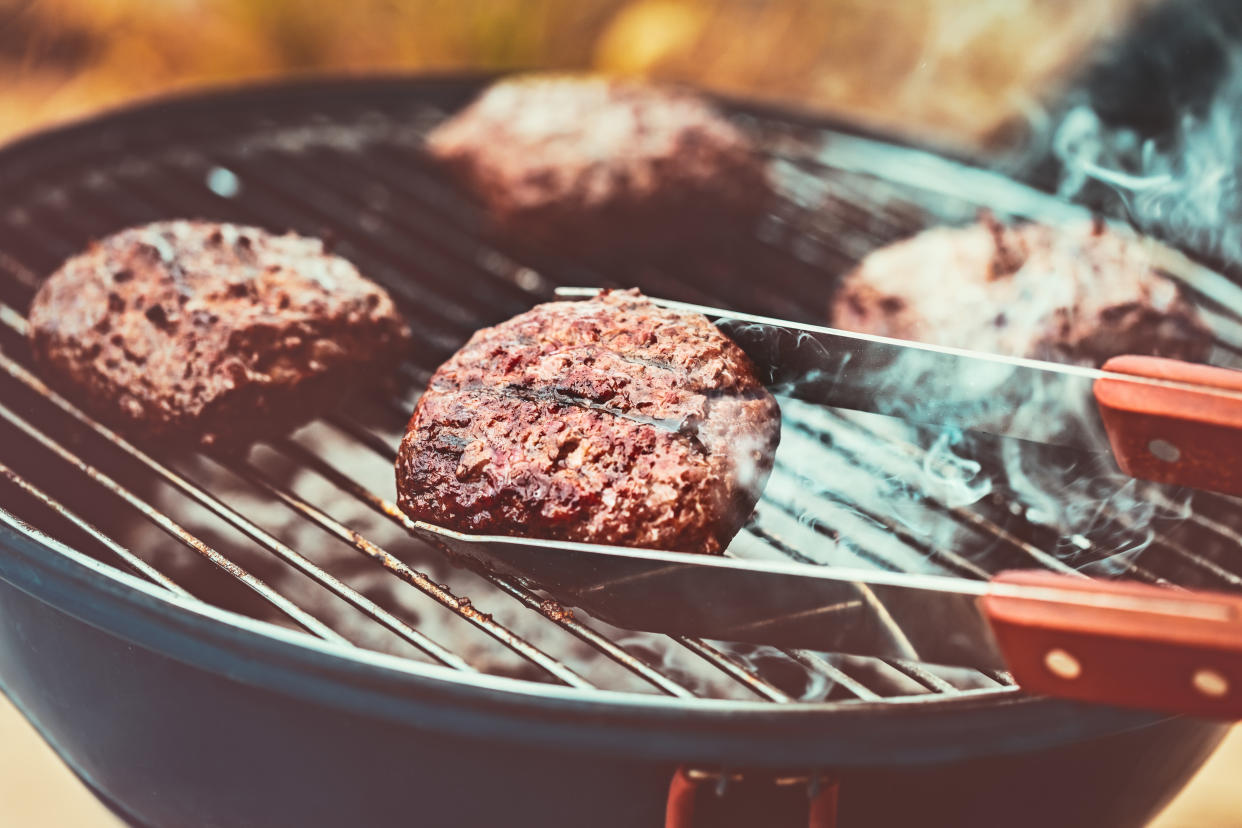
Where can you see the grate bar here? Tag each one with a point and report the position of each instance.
(14, 320)
(1215, 526)
(176, 531)
(1198, 561)
(399, 409)
(131, 560)
(231, 516)
(528, 598)
(974, 519)
(694, 286)
(24, 275)
(340, 189)
(449, 315)
(564, 619)
(436, 332)
(966, 516)
(950, 559)
(774, 541)
(920, 674)
(310, 184)
(409, 185)
(437, 326)
(372, 441)
(462, 606)
(721, 660)
(815, 661)
(733, 667)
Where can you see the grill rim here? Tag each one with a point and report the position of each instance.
(136, 591)
(934, 728)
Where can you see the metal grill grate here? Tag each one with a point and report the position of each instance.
(344, 161)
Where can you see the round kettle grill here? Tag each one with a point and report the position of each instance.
(195, 679)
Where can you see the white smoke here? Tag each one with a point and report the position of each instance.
(951, 478)
(1183, 187)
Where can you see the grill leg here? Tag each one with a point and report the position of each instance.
(705, 799)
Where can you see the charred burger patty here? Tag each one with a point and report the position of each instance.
(608, 421)
(1076, 293)
(590, 164)
(216, 333)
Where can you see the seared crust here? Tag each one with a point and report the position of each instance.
(607, 421)
(590, 163)
(1080, 293)
(218, 333)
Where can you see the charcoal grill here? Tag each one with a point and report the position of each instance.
(268, 660)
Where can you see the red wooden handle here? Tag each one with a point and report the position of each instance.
(1174, 435)
(1127, 644)
(698, 800)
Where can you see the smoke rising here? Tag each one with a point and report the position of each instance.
(1176, 178)
(953, 479)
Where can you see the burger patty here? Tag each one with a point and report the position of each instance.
(610, 421)
(588, 164)
(1079, 293)
(218, 333)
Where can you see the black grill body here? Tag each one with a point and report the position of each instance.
(176, 712)
(178, 717)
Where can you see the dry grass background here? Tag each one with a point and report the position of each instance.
(951, 71)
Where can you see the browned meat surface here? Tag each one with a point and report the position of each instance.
(210, 332)
(591, 164)
(1080, 293)
(607, 421)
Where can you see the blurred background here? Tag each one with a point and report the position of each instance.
(969, 75)
(947, 70)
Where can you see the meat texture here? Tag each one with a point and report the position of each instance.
(591, 164)
(1078, 293)
(215, 333)
(610, 421)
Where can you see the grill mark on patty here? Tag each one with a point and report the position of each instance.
(676, 427)
(662, 365)
(590, 350)
(602, 347)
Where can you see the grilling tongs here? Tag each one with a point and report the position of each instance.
(1122, 643)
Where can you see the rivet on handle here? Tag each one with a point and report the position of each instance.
(1062, 665)
(1210, 683)
(1164, 450)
